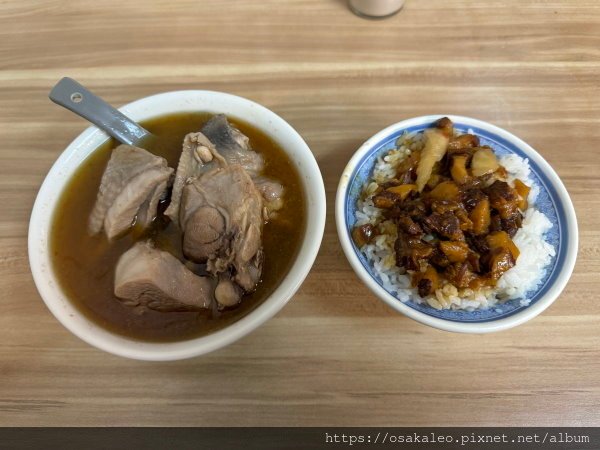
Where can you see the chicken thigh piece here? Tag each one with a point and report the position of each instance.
(221, 218)
(132, 184)
(155, 279)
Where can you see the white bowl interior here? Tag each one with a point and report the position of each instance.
(144, 109)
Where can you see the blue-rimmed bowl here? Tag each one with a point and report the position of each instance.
(553, 200)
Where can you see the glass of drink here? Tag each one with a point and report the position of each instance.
(375, 9)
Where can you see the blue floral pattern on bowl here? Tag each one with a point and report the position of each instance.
(547, 202)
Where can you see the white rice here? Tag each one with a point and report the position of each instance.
(526, 275)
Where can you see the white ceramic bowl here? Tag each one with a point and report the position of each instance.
(140, 110)
(553, 201)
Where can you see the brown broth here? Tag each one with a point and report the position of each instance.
(85, 265)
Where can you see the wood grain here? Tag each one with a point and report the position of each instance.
(335, 355)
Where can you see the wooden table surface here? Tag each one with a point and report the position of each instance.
(335, 355)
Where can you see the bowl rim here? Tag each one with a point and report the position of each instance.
(147, 108)
(491, 325)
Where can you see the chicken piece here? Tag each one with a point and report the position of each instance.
(198, 155)
(149, 209)
(136, 196)
(148, 277)
(232, 144)
(221, 220)
(218, 145)
(436, 143)
(132, 183)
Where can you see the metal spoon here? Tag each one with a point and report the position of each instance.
(73, 96)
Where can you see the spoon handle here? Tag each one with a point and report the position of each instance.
(73, 96)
